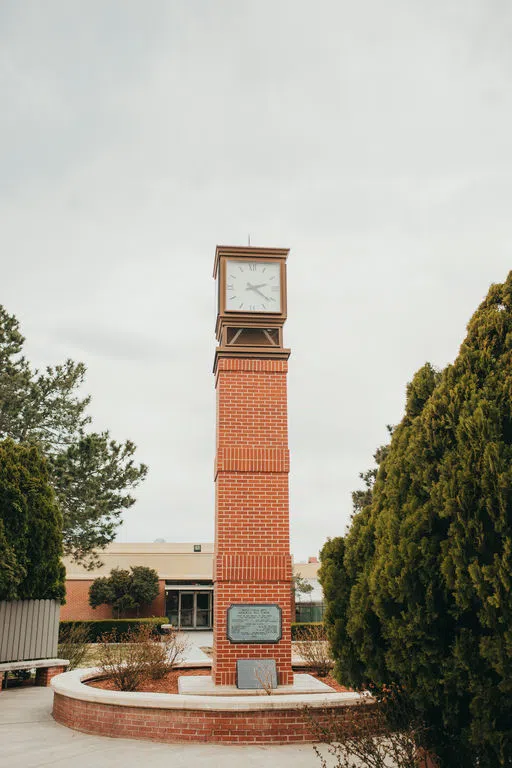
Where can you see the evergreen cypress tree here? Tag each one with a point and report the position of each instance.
(30, 527)
(427, 563)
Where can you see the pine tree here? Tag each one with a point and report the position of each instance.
(427, 564)
(91, 473)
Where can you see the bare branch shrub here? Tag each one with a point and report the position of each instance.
(74, 644)
(265, 678)
(162, 656)
(374, 735)
(141, 655)
(313, 646)
(124, 663)
(176, 644)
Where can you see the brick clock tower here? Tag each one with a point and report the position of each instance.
(252, 562)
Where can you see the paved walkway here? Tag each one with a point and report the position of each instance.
(198, 640)
(29, 737)
(204, 639)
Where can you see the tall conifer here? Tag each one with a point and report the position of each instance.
(30, 527)
(427, 564)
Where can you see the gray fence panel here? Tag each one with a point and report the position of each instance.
(54, 633)
(3, 629)
(30, 642)
(38, 624)
(43, 607)
(48, 628)
(29, 629)
(12, 648)
(20, 651)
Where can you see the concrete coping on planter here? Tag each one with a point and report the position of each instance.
(72, 685)
(10, 666)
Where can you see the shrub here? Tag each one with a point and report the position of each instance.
(374, 735)
(313, 646)
(266, 678)
(299, 628)
(164, 655)
(125, 664)
(176, 643)
(73, 644)
(141, 655)
(98, 627)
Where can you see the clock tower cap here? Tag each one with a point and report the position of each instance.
(248, 252)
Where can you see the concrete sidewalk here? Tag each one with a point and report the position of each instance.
(29, 737)
(197, 640)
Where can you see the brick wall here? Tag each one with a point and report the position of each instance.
(77, 603)
(275, 726)
(252, 562)
(45, 674)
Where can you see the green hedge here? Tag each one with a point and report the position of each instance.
(99, 627)
(300, 626)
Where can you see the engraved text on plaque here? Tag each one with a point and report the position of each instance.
(254, 623)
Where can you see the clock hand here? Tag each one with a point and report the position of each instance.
(261, 294)
(255, 287)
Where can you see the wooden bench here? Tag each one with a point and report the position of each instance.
(45, 669)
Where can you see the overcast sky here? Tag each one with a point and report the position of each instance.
(373, 139)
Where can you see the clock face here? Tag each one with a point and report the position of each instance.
(253, 286)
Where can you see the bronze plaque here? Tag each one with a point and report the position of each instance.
(254, 623)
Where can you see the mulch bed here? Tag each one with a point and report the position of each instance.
(169, 683)
(332, 682)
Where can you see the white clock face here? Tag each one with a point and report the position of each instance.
(253, 286)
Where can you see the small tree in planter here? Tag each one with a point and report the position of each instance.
(125, 590)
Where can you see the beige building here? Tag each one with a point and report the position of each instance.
(185, 574)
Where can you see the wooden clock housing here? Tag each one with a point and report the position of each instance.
(249, 334)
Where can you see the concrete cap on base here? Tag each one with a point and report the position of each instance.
(71, 685)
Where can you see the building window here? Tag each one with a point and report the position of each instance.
(197, 547)
(190, 609)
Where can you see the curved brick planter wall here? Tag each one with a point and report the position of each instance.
(182, 718)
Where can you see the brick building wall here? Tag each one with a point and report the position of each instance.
(252, 562)
(77, 605)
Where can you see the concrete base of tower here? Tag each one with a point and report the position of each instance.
(201, 685)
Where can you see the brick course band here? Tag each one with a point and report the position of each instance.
(252, 365)
(246, 459)
(239, 567)
(179, 718)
